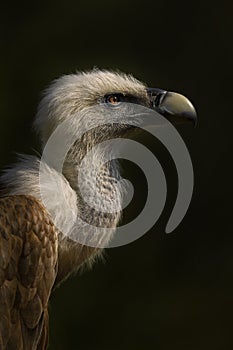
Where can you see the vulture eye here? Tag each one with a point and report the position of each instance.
(113, 99)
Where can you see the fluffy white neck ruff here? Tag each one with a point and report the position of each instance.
(62, 201)
(22, 178)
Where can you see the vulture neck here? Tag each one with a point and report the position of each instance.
(73, 255)
(95, 183)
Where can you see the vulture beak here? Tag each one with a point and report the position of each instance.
(175, 107)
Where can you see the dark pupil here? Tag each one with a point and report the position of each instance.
(114, 99)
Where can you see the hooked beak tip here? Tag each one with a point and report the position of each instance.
(175, 107)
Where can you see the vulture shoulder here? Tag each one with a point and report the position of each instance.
(28, 268)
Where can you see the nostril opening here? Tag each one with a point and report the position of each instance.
(159, 98)
(156, 96)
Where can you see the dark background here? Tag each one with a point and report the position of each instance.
(162, 291)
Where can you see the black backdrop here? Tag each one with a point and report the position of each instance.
(163, 291)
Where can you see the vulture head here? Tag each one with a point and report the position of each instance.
(71, 94)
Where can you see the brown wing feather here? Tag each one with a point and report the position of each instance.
(28, 268)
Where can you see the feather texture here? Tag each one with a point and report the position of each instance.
(28, 268)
